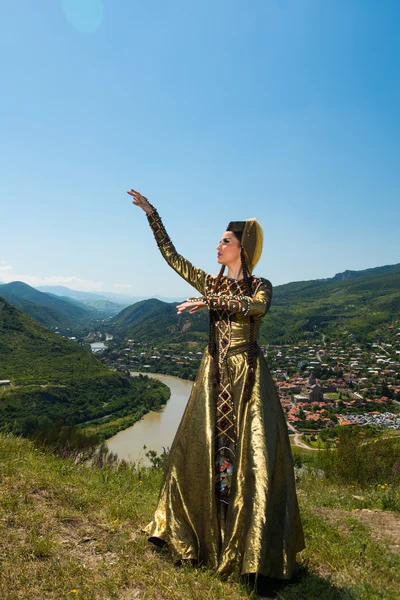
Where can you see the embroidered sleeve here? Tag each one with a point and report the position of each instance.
(254, 306)
(194, 276)
(201, 299)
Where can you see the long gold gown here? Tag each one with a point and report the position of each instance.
(243, 518)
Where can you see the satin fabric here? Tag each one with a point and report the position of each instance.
(260, 530)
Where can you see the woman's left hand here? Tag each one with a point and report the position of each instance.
(195, 306)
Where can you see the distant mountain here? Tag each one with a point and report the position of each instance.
(366, 272)
(86, 307)
(118, 299)
(60, 290)
(124, 299)
(358, 304)
(156, 321)
(86, 297)
(47, 309)
(103, 306)
(54, 379)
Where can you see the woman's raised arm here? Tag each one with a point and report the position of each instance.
(196, 277)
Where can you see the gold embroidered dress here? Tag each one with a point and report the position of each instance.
(228, 497)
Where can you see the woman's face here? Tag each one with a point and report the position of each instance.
(228, 249)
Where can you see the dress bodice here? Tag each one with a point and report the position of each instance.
(239, 323)
(230, 300)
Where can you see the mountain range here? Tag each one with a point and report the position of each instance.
(48, 309)
(54, 378)
(353, 301)
(154, 320)
(356, 302)
(90, 297)
(60, 307)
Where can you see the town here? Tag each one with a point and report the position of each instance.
(321, 383)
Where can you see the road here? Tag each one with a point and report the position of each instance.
(297, 441)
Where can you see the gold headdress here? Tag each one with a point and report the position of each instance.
(251, 237)
(252, 242)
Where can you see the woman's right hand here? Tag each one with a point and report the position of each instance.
(139, 200)
(194, 304)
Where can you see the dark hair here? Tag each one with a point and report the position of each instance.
(212, 344)
(237, 228)
(250, 355)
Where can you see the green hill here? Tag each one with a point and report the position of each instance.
(365, 272)
(357, 305)
(47, 309)
(30, 353)
(106, 307)
(156, 321)
(54, 379)
(356, 302)
(96, 306)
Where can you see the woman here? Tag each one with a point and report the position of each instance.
(228, 497)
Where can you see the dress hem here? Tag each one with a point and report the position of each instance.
(161, 543)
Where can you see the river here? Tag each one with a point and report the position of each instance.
(157, 428)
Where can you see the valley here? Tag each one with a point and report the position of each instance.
(333, 347)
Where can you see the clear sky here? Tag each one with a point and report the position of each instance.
(283, 110)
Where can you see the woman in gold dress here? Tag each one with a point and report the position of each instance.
(228, 497)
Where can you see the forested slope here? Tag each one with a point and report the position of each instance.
(355, 302)
(54, 379)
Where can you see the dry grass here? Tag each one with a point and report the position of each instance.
(73, 532)
(68, 531)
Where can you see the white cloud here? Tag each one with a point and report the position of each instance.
(7, 274)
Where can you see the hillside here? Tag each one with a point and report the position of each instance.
(106, 307)
(30, 353)
(156, 321)
(358, 305)
(90, 297)
(61, 290)
(48, 309)
(98, 308)
(364, 273)
(70, 531)
(54, 379)
(352, 302)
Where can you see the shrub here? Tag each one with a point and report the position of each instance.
(70, 442)
(158, 461)
(362, 457)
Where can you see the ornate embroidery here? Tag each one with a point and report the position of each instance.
(224, 471)
(159, 231)
(225, 419)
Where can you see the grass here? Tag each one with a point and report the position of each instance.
(71, 531)
(317, 443)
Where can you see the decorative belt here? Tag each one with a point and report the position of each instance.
(240, 349)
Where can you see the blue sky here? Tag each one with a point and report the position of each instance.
(283, 110)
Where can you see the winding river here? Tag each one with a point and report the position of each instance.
(157, 428)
